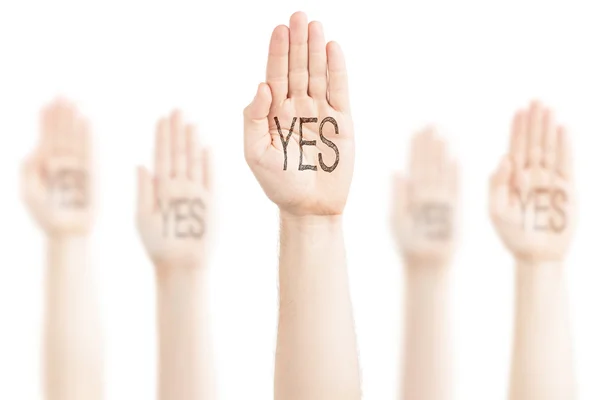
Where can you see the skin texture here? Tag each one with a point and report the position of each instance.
(56, 188)
(424, 208)
(177, 243)
(537, 231)
(306, 77)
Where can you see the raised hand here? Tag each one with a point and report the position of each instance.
(532, 200)
(424, 203)
(173, 205)
(298, 133)
(55, 180)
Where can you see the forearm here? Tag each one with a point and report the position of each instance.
(185, 348)
(73, 368)
(542, 365)
(427, 359)
(316, 344)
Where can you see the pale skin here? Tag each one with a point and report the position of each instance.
(173, 220)
(424, 208)
(532, 206)
(56, 186)
(316, 354)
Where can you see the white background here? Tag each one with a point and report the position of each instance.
(465, 66)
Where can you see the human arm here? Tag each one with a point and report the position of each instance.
(532, 205)
(424, 208)
(173, 223)
(316, 345)
(56, 188)
(299, 144)
(72, 338)
(186, 365)
(542, 366)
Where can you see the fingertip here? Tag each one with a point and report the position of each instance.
(335, 55)
(280, 36)
(261, 104)
(298, 17)
(399, 192)
(264, 91)
(176, 117)
(145, 183)
(535, 104)
(503, 172)
(333, 45)
(143, 176)
(162, 132)
(315, 26)
(316, 33)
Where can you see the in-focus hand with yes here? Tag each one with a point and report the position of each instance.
(56, 177)
(424, 202)
(532, 197)
(174, 202)
(306, 78)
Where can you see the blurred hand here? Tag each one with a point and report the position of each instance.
(55, 179)
(532, 200)
(306, 78)
(174, 204)
(424, 203)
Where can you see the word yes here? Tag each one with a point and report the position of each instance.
(548, 209)
(68, 188)
(303, 120)
(433, 220)
(183, 217)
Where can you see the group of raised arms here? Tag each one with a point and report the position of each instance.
(299, 143)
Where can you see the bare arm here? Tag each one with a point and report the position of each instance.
(316, 345)
(427, 352)
(542, 366)
(299, 143)
(56, 188)
(424, 222)
(185, 346)
(72, 339)
(174, 204)
(532, 205)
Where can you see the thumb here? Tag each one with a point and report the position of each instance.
(399, 195)
(256, 123)
(499, 186)
(145, 191)
(31, 181)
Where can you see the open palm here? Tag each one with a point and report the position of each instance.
(425, 201)
(55, 181)
(304, 102)
(174, 202)
(532, 201)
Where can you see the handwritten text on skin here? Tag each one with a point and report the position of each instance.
(68, 188)
(433, 220)
(182, 218)
(543, 209)
(301, 142)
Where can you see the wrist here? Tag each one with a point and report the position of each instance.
(426, 269)
(535, 278)
(67, 243)
(309, 221)
(425, 262)
(529, 263)
(65, 238)
(169, 271)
